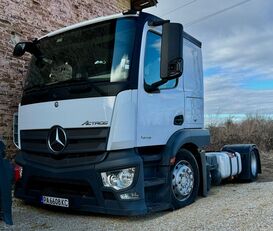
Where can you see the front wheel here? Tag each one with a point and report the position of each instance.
(184, 179)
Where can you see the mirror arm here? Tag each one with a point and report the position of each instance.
(154, 86)
(33, 49)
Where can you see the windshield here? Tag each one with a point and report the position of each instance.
(96, 53)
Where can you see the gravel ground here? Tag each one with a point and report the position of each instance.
(228, 207)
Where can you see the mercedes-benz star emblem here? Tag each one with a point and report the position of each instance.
(57, 139)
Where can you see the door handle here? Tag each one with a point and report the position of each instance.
(178, 120)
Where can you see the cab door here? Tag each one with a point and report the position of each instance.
(160, 113)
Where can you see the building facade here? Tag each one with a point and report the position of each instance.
(25, 20)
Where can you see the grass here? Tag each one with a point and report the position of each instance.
(254, 129)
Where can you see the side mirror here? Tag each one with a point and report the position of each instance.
(171, 62)
(19, 49)
(30, 47)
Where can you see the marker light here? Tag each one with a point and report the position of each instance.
(129, 196)
(18, 173)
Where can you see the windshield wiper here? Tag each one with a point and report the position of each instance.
(35, 88)
(80, 88)
(74, 88)
(65, 82)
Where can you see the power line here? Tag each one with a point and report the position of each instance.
(177, 8)
(216, 13)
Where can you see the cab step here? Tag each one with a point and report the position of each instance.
(154, 182)
(151, 157)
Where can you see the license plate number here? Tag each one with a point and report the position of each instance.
(55, 201)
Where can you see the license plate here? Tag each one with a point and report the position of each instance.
(55, 201)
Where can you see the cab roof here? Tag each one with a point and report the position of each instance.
(86, 23)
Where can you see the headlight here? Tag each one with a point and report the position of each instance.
(119, 179)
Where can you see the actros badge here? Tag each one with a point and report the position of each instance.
(94, 123)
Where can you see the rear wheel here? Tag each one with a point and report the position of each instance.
(185, 179)
(253, 166)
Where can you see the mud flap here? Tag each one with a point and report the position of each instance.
(205, 176)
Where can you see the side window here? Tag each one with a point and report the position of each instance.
(152, 62)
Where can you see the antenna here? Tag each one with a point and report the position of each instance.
(139, 5)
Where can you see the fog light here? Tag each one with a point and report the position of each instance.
(119, 179)
(129, 196)
(18, 173)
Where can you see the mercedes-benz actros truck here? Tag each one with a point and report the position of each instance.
(112, 119)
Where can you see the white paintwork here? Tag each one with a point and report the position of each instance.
(194, 112)
(156, 111)
(224, 159)
(86, 23)
(69, 114)
(193, 86)
(123, 127)
(138, 118)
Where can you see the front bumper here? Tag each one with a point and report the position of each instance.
(82, 184)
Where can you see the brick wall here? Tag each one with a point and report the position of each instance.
(22, 20)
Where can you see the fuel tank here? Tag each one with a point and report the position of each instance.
(228, 163)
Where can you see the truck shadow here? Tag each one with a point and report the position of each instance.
(62, 211)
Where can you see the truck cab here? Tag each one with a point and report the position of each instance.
(112, 117)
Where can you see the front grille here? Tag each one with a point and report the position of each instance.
(80, 141)
(68, 160)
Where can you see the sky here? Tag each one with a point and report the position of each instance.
(237, 46)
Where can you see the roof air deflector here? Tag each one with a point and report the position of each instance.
(139, 5)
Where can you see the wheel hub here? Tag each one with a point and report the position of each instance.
(182, 180)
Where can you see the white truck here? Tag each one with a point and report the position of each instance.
(112, 119)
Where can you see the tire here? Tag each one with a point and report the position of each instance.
(253, 166)
(184, 189)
